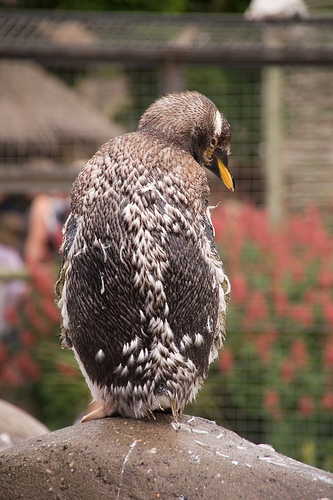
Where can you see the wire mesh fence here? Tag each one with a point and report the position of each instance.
(273, 381)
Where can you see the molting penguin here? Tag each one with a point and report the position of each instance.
(142, 290)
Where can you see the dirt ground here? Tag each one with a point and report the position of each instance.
(117, 458)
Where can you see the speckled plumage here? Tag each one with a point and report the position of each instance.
(142, 290)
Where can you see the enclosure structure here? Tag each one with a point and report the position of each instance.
(69, 81)
(272, 80)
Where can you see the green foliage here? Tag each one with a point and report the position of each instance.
(273, 381)
(35, 373)
(277, 364)
(60, 395)
(236, 6)
(139, 5)
(107, 5)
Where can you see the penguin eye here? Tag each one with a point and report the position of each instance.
(213, 143)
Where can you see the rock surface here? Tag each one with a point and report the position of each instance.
(117, 458)
(17, 425)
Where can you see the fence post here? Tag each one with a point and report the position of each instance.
(273, 140)
(172, 76)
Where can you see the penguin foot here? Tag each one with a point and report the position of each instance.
(93, 415)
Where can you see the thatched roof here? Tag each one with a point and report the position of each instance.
(41, 115)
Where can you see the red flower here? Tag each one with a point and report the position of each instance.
(325, 278)
(271, 402)
(236, 246)
(226, 360)
(27, 338)
(310, 297)
(280, 301)
(328, 354)
(10, 375)
(257, 227)
(26, 365)
(256, 309)
(317, 237)
(305, 406)
(42, 277)
(50, 309)
(238, 288)
(300, 231)
(298, 353)
(297, 271)
(10, 315)
(327, 401)
(218, 225)
(263, 343)
(3, 352)
(34, 318)
(327, 305)
(287, 370)
(301, 313)
(66, 369)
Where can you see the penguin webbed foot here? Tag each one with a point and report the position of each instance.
(95, 414)
(105, 410)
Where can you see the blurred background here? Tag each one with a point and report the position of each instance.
(72, 79)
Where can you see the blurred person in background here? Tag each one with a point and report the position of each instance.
(47, 216)
(13, 216)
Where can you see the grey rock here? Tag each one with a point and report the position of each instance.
(17, 425)
(118, 458)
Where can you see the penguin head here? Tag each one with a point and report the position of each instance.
(192, 122)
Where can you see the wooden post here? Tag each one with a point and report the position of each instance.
(172, 70)
(172, 77)
(273, 138)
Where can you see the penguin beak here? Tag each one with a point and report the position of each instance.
(219, 167)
